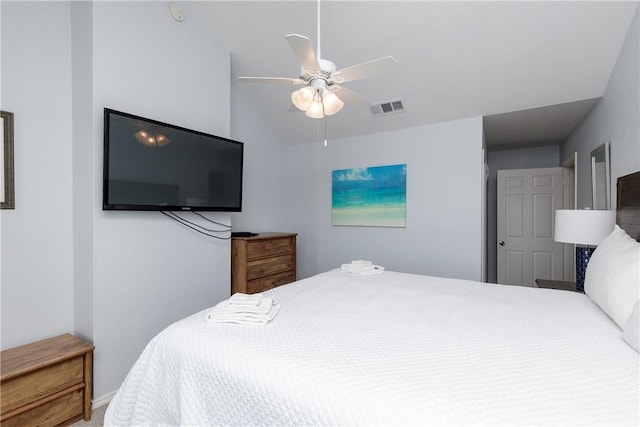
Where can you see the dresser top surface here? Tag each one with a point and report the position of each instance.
(19, 360)
(264, 236)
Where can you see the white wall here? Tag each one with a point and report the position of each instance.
(148, 270)
(615, 119)
(82, 110)
(443, 236)
(116, 278)
(265, 194)
(36, 237)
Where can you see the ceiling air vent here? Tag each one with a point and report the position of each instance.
(387, 107)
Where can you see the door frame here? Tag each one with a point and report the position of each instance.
(570, 201)
(559, 249)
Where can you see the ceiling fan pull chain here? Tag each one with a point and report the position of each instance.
(325, 130)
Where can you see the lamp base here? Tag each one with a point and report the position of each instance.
(582, 259)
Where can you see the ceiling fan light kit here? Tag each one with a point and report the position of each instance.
(321, 78)
(316, 100)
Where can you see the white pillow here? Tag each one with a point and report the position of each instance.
(612, 279)
(631, 332)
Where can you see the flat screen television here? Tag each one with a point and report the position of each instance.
(150, 165)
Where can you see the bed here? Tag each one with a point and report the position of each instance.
(398, 349)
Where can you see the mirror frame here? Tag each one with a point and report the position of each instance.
(8, 201)
(597, 180)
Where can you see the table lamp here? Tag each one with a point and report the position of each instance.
(586, 229)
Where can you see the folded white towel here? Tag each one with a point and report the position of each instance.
(362, 270)
(244, 300)
(263, 307)
(350, 268)
(372, 269)
(262, 313)
(243, 318)
(361, 262)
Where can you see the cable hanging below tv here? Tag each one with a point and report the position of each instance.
(154, 166)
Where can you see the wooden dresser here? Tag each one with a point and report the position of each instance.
(262, 262)
(46, 383)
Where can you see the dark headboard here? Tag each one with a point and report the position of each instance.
(628, 204)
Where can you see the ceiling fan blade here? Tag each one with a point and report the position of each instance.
(304, 51)
(366, 69)
(284, 80)
(350, 97)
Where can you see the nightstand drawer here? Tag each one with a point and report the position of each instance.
(265, 248)
(44, 382)
(263, 267)
(269, 282)
(47, 382)
(51, 413)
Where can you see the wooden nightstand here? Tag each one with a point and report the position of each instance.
(46, 383)
(556, 284)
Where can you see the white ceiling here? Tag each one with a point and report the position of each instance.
(505, 61)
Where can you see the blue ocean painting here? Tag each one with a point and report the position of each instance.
(373, 196)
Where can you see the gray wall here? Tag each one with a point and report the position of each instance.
(443, 235)
(616, 119)
(525, 158)
(147, 268)
(116, 278)
(82, 109)
(37, 237)
(265, 193)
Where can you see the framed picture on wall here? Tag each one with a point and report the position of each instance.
(7, 188)
(371, 196)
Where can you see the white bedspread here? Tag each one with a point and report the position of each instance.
(391, 349)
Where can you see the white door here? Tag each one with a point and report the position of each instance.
(527, 201)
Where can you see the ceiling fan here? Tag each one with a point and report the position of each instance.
(322, 80)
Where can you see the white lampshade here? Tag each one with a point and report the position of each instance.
(583, 227)
(302, 98)
(332, 104)
(315, 110)
(316, 100)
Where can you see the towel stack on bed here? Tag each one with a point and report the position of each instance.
(362, 268)
(254, 309)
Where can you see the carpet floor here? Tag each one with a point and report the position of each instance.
(97, 418)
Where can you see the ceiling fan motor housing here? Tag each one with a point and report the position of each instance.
(327, 68)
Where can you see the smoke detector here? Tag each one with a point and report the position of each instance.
(176, 12)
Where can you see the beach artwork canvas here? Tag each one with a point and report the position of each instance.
(373, 196)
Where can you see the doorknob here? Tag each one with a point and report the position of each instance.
(501, 242)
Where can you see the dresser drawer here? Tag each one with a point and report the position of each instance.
(265, 283)
(262, 262)
(266, 248)
(51, 413)
(263, 267)
(44, 382)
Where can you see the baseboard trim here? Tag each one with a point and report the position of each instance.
(96, 403)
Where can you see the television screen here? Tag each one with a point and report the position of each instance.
(150, 165)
